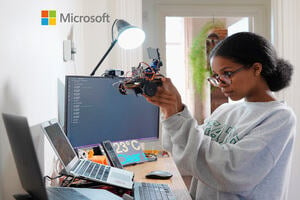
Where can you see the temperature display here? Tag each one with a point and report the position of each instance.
(129, 152)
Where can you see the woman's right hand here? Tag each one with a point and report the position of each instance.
(167, 98)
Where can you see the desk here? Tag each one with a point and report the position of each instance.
(176, 182)
(140, 170)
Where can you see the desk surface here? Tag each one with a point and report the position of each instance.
(167, 164)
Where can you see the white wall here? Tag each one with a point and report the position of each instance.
(286, 37)
(129, 10)
(31, 61)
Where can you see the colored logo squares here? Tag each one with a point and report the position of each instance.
(48, 17)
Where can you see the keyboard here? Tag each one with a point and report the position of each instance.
(152, 191)
(64, 193)
(93, 170)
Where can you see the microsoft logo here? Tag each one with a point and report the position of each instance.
(48, 17)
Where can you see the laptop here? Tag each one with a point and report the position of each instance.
(81, 167)
(29, 170)
(86, 169)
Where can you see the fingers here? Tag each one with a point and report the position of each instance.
(158, 103)
(163, 96)
(167, 98)
(161, 102)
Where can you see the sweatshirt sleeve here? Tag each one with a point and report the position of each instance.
(228, 167)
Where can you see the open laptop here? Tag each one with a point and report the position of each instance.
(118, 177)
(29, 170)
(81, 167)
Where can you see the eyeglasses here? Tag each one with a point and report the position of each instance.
(225, 78)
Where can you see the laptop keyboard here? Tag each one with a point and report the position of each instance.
(93, 170)
(152, 191)
(64, 193)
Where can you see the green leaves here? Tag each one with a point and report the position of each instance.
(198, 57)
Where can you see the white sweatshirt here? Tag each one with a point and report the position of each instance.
(242, 151)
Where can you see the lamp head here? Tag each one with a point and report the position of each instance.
(129, 37)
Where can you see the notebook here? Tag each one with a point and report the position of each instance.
(81, 167)
(29, 170)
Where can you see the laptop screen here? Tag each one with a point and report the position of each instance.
(60, 143)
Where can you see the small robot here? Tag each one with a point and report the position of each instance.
(145, 78)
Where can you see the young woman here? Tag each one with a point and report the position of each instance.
(243, 150)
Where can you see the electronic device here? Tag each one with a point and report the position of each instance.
(112, 73)
(145, 78)
(150, 191)
(29, 170)
(159, 175)
(81, 167)
(95, 111)
(129, 152)
(111, 154)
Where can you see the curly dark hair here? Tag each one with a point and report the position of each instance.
(248, 48)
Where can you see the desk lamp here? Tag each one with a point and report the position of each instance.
(129, 37)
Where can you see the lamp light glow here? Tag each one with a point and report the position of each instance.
(129, 37)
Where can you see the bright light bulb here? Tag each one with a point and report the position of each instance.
(131, 38)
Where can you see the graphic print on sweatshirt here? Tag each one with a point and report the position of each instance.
(221, 133)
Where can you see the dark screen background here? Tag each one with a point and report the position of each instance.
(96, 111)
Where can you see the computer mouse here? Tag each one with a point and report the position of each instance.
(159, 175)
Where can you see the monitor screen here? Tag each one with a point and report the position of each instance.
(96, 111)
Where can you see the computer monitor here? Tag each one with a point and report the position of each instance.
(96, 111)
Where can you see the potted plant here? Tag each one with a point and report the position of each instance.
(198, 55)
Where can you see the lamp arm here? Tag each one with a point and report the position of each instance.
(104, 56)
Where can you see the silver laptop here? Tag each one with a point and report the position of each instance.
(81, 167)
(29, 171)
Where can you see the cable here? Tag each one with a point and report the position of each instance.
(70, 183)
(66, 182)
(51, 178)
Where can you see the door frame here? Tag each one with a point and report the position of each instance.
(154, 13)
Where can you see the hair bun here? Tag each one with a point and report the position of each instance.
(281, 76)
